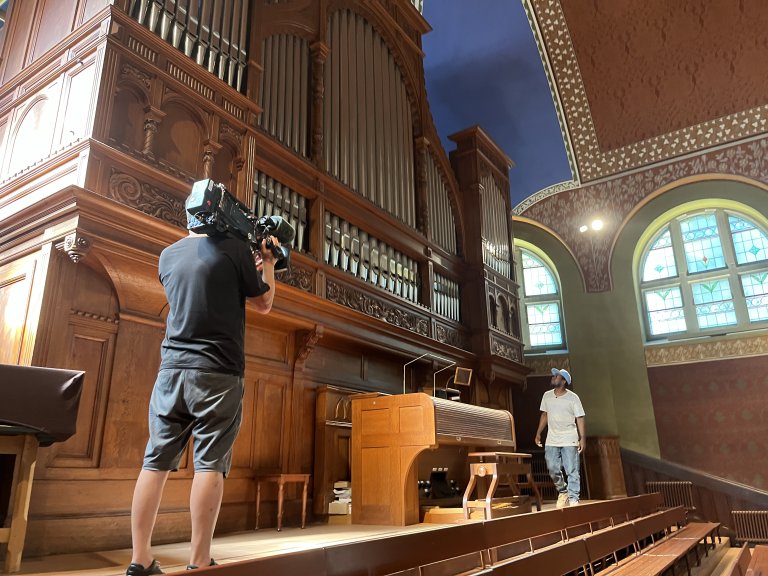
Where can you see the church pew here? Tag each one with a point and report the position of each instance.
(555, 561)
(606, 544)
(739, 564)
(514, 535)
(456, 549)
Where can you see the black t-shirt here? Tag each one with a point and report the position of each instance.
(206, 281)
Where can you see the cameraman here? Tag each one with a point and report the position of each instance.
(199, 387)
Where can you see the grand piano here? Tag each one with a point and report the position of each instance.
(389, 433)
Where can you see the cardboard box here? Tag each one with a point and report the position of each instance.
(336, 519)
(337, 507)
(437, 515)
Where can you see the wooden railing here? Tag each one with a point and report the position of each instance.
(714, 498)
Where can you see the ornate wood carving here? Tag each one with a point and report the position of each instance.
(505, 350)
(298, 277)
(76, 246)
(452, 336)
(351, 298)
(126, 189)
(139, 76)
(307, 339)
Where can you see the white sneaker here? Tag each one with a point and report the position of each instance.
(573, 502)
(562, 501)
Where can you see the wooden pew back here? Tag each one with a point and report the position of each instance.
(561, 559)
(462, 545)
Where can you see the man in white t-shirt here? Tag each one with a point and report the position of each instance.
(563, 414)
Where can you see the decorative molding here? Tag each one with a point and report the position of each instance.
(76, 246)
(361, 302)
(298, 277)
(505, 350)
(451, 336)
(307, 339)
(127, 190)
(190, 81)
(92, 316)
(228, 131)
(142, 50)
(140, 76)
(558, 54)
(542, 365)
(692, 352)
(544, 193)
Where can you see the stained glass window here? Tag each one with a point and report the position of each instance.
(665, 310)
(544, 324)
(749, 243)
(701, 242)
(704, 272)
(756, 295)
(660, 260)
(537, 279)
(713, 303)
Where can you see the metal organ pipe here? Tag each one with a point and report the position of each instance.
(368, 126)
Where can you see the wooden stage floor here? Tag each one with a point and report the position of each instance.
(226, 549)
(229, 548)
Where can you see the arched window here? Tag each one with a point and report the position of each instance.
(705, 273)
(542, 318)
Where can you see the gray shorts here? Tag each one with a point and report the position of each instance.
(204, 405)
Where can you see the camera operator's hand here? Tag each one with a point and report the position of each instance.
(264, 255)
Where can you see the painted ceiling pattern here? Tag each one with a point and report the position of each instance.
(588, 93)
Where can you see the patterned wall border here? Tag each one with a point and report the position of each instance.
(691, 352)
(544, 193)
(591, 162)
(542, 365)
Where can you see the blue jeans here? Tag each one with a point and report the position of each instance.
(564, 457)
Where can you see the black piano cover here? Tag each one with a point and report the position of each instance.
(42, 400)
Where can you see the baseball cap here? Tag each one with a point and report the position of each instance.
(564, 373)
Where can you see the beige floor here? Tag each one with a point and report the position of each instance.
(231, 548)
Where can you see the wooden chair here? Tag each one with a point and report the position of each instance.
(24, 448)
(281, 480)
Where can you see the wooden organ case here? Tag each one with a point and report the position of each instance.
(390, 432)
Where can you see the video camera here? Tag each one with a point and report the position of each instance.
(214, 210)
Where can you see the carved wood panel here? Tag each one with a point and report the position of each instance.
(15, 293)
(91, 342)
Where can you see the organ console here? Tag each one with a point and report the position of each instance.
(389, 433)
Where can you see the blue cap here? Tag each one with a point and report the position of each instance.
(564, 373)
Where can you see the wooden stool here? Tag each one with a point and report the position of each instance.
(24, 447)
(281, 480)
(503, 469)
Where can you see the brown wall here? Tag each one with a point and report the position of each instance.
(712, 416)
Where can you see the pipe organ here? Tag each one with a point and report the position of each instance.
(495, 235)
(373, 261)
(272, 198)
(368, 128)
(446, 298)
(441, 218)
(321, 118)
(212, 32)
(284, 91)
